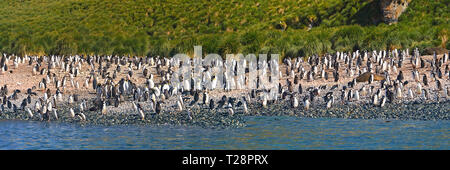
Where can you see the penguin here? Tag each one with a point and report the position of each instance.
(55, 114)
(45, 113)
(23, 104)
(81, 116)
(104, 111)
(334, 87)
(294, 101)
(86, 83)
(424, 94)
(221, 103)
(230, 111)
(410, 94)
(70, 100)
(425, 80)
(82, 107)
(211, 104)
(383, 101)
(158, 108)
(179, 106)
(196, 98)
(71, 113)
(244, 105)
(264, 102)
(400, 76)
(356, 95)
(205, 98)
(141, 113)
(30, 113)
(439, 85)
(390, 95)
(336, 76)
(145, 72)
(399, 93)
(135, 106)
(448, 92)
(375, 100)
(306, 103)
(75, 97)
(300, 89)
(253, 93)
(213, 83)
(329, 103)
(116, 101)
(50, 107)
(422, 63)
(9, 104)
(419, 88)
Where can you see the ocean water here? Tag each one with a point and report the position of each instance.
(291, 133)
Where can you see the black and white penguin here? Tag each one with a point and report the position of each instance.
(196, 98)
(211, 104)
(383, 101)
(294, 101)
(400, 76)
(205, 98)
(425, 80)
(306, 103)
(158, 108)
(336, 76)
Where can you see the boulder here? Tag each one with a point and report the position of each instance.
(365, 77)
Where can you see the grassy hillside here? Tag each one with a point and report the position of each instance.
(167, 27)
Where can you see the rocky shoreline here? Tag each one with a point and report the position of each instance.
(220, 118)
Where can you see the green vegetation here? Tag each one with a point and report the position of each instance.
(167, 27)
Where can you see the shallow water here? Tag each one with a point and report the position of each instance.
(260, 133)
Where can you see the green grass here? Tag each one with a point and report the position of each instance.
(167, 27)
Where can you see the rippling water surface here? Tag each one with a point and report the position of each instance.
(260, 133)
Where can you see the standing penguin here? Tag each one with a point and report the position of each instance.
(306, 103)
(141, 113)
(410, 94)
(244, 105)
(55, 114)
(158, 108)
(439, 85)
(399, 93)
(211, 104)
(400, 76)
(264, 102)
(196, 98)
(383, 101)
(375, 100)
(294, 101)
(179, 106)
(447, 92)
(425, 80)
(205, 98)
(30, 114)
(104, 111)
(336, 76)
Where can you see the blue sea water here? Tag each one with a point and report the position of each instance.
(261, 132)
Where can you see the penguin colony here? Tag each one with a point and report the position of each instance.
(140, 89)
